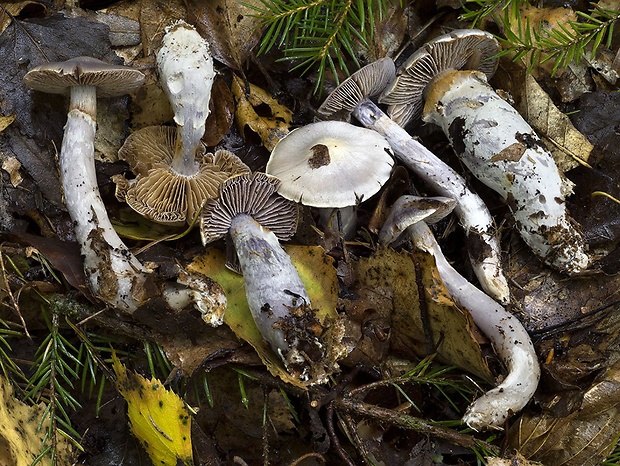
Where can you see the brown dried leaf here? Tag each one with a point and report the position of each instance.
(154, 18)
(229, 26)
(270, 128)
(584, 437)
(391, 277)
(222, 113)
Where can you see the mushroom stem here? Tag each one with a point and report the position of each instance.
(114, 273)
(504, 152)
(471, 210)
(508, 336)
(276, 296)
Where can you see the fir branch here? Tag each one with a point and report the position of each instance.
(563, 44)
(319, 34)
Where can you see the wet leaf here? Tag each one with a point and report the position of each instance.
(132, 225)
(391, 277)
(22, 434)
(567, 145)
(222, 113)
(317, 274)
(271, 127)
(154, 18)
(157, 416)
(229, 26)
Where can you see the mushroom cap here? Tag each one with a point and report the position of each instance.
(366, 82)
(461, 49)
(158, 192)
(409, 209)
(59, 77)
(331, 164)
(249, 194)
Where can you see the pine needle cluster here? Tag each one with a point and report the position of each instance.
(321, 34)
(562, 44)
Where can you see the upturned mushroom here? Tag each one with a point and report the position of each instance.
(447, 77)
(251, 213)
(508, 336)
(331, 165)
(353, 97)
(179, 177)
(158, 192)
(114, 273)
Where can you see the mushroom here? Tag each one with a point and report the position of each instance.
(161, 194)
(448, 77)
(352, 97)
(331, 165)
(114, 273)
(254, 216)
(180, 177)
(508, 336)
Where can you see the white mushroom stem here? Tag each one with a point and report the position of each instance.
(114, 273)
(483, 246)
(504, 152)
(508, 336)
(277, 297)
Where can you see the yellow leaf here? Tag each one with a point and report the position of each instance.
(270, 128)
(158, 418)
(318, 275)
(21, 436)
(5, 121)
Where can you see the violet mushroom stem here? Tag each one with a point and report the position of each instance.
(507, 334)
(254, 216)
(470, 209)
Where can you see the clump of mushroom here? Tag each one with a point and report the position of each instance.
(331, 165)
(447, 77)
(174, 175)
(353, 97)
(251, 213)
(508, 336)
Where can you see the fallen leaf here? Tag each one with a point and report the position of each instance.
(154, 18)
(230, 26)
(130, 224)
(11, 165)
(157, 416)
(22, 433)
(391, 276)
(5, 121)
(271, 128)
(317, 274)
(222, 113)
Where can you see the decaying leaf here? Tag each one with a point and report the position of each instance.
(21, 433)
(222, 113)
(132, 225)
(154, 18)
(230, 26)
(270, 128)
(317, 274)
(11, 165)
(157, 416)
(391, 277)
(5, 121)
(516, 460)
(568, 146)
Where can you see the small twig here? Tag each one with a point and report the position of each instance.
(334, 438)
(408, 422)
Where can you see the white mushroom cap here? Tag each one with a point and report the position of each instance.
(331, 164)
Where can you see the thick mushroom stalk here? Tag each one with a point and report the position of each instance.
(255, 216)
(508, 336)
(115, 274)
(504, 152)
(353, 97)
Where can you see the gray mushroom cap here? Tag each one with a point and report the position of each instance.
(59, 77)
(251, 194)
(331, 164)
(409, 209)
(461, 49)
(366, 82)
